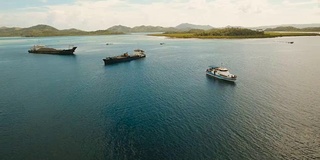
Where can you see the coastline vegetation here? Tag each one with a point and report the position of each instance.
(294, 29)
(231, 33)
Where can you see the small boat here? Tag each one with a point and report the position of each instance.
(291, 42)
(221, 73)
(138, 53)
(40, 49)
(161, 43)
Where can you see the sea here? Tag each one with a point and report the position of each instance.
(163, 106)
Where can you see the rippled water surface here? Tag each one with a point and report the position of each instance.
(163, 106)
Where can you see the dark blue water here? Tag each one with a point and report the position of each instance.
(163, 106)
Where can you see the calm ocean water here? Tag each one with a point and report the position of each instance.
(163, 106)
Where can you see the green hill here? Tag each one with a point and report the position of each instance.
(125, 29)
(294, 29)
(42, 27)
(188, 26)
(45, 30)
(311, 25)
(119, 28)
(230, 32)
(39, 30)
(152, 29)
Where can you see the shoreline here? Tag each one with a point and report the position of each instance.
(270, 34)
(266, 35)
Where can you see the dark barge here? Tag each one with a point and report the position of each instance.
(38, 49)
(138, 54)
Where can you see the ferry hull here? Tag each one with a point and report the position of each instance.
(221, 77)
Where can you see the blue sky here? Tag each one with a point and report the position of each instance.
(17, 4)
(101, 14)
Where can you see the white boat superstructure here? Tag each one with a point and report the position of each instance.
(221, 73)
(139, 52)
(37, 47)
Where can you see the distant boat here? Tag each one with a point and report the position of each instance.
(161, 43)
(39, 49)
(108, 44)
(138, 53)
(221, 73)
(291, 42)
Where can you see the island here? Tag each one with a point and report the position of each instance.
(236, 33)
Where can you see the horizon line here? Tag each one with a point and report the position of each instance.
(315, 23)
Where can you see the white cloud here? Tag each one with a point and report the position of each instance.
(93, 15)
(306, 2)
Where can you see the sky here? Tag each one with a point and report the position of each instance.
(101, 14)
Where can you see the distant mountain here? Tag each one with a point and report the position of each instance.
(9, 32)
(45, 30)
(119, 28)
(292, 25)
(42, 27)
(38, 30)
(188, 26)
(152, 29)
(41, 30)
(105, 32)
(294, 29)
(125, 29)
(283, 28)
(72, 30)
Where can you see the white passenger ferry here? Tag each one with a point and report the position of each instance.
(221, 73)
